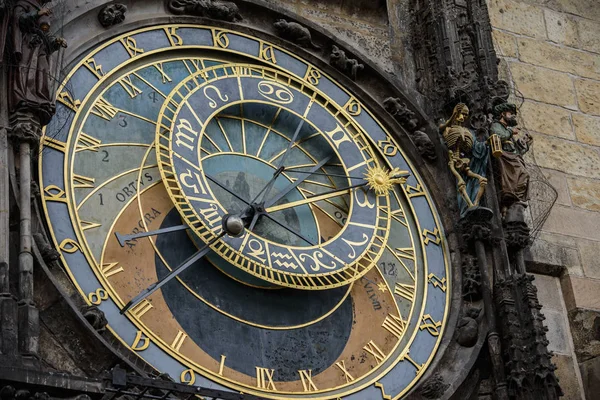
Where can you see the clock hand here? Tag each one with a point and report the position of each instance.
(323, 174)
(317, 197)
(155, 286)
(124, 238)
(298, 182)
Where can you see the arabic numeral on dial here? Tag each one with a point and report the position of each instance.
(123, 121)
(105, 157)
(101, 199)
(389, 268)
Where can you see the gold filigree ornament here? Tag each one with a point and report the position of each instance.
(382, 180)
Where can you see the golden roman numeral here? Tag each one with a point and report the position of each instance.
(83, 182)
(165, 78)
(95, 68)
(375, 351)
(111, 269)
(432, 236)
(87, 142)
(104, 109)
(55, 144)
(54, 193)
(66, 99)
(85, 225)
(131, 46)
(307, 382)
(399, 216)
(141, 308)
(267, 53)
(178, 341)
(141, 342)
(342, 366)
(407, 357)
(412, 191)
(129, 86)
(394, 325)
(264, 378)
(405, 290)
(222, 364)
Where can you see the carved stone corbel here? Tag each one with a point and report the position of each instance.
(95, 317)
(348, 66)
(112, 14)
(214, 9)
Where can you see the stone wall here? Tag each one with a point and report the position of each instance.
(550, 52)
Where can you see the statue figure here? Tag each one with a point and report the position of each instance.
(468, 158)
(349, 66)
(31, 82)
(514, 178)
(295, 33)
(4, 22)
(223, 10)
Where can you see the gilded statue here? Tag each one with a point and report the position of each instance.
(514, 178)
(467, 158)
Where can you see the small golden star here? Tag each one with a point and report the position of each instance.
(382, 286)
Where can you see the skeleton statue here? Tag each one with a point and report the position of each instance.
(468, 158)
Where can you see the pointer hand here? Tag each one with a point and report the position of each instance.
(316, 197)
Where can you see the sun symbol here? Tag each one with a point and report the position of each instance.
(382, 180)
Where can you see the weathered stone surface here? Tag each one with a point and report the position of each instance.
(533, 82)
(583, 8)
(559, 58)
(548, 287)
(581, 292)
(590, 375)
(589, 35)
(561, 28)
(557, 329)
(505, 44)
(588, 95)
(564, 155)
(569, 382)
(585, 193)
(585, 328)
(53, 354)
(574, 222)
(551, 254)
(543, 118)
(517, 17)
(587, 128)
(589, 251)
(559, 181)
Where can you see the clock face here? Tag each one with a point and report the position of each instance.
(336, 285)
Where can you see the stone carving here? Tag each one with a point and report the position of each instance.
(467, 331)
(406, 118)
(467, 158)
(214, 9)
(471, 280)
(49, 254)
(31, 77)
(95, 317)
(112, 14)
(514, 178)
(349, 66)
(10, 393)
(295, 33)
(25, 127)
(435, 387)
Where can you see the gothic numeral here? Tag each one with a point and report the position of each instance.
(178, 341)
(405, 290)
(389, 149)
(111, 269)
(220, 39)
(95, 68)
(141, 308)
(141, 342)
(353, 107)
(394, 325)
(69, 246)
(104, 109)
(188, 377)
(375, 351)
(66, 99)
(430, 236)
(437, 282)
(87, 142)
(83, 182)
(54, 193)
(383, 395)
(264, 378)
(312, 75)
(342, 366)
(174, 38)
(267, 53)
(131, 46)
(98, 296)
(431, 325)
(129, 86)
(413, 191)
(307, 382)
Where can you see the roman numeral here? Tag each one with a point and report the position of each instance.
(55, 144)
(406, 252)
(264, 378)
(85, 225)
(141, 308)
(342, 366)
(375, 351)
(178, 341)
(111, 269)
(307, 382)
(129, 86)
(437, 282)
(66, 99)
(412, 191)
(95, 68)
(405, 290)
(432, 236)
(394, 325)
(399, 216)
(104, 109)
(165, 78)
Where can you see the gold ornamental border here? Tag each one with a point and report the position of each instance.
(443, 243)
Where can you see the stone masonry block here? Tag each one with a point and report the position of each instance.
(557, 333)
(587, 128)
(505, 44)
(561, 28)
(558, 180)
(580, 292)
(569, 382)
(590, 375)
(559, 58)
(588, 95)
(517, 17)
(589, 35)
(533, 82)
(585, 328)
(547, 287)
(574, 222)
(589, 251)
(543, 118)
(585, 193)
(551, 254)
(565, 155)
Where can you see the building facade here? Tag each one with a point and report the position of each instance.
(300, 199)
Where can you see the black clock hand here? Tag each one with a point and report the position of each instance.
(124, 238)
(292, 186)
(155, 286)
(324, 174)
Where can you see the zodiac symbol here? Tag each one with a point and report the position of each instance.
(213, 103)
(276, 92)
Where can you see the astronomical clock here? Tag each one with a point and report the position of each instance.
(242, 219)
